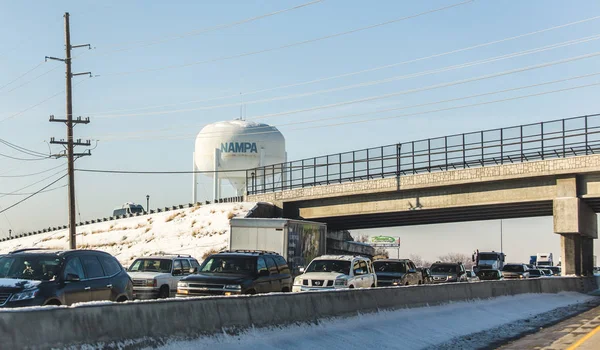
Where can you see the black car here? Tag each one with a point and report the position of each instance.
(396, 272)
(238, 272)
(448, 272)
(32, 277)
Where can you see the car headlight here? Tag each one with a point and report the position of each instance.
(341, 282)
(396, 282)
(521, 276)
(298, 281)
(182, 284)
(29, 294)
(233, 286)
(151, 283)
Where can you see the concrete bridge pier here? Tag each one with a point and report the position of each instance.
(577, 224)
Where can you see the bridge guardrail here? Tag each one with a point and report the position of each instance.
(552, 139)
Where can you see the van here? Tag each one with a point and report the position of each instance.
(128, 208)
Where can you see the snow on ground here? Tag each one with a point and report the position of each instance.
(416, 328)
(193, 231)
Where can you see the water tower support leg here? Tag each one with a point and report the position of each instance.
(216, 181)
(195, 179)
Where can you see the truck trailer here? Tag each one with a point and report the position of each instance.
(297, 241)
(544, 259)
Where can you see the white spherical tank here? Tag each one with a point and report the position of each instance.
(238, 145)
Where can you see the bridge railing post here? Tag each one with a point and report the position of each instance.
(302, 173)
(327, 170)
(464, 152)
(542, 138)
(353, 166)
(398, 159)
(586, 134)
(367, 159)
(413, 157)
(521, 142)
(501, 145)
(382, 166)
(429, 155)
(564, 146)
(340, 168)
(314, 171)
(446, 151)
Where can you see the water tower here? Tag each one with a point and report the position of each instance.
(224, 147)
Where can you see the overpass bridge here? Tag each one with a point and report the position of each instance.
(542, 169)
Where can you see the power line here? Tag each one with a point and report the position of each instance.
(356, 72)
(31, 80)
(206, 30)
(272, 128)
(223, 58)
(366, 121)
(22, 75)
(35, 193)
(23, 149)
(430, 87)
(22, 159)
(41, 102)
(35, 183)
(372, 82)
(32, 174)
(25, 194)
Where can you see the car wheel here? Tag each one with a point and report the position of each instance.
(406, 284)
(351, 287)
(251, 292)
(121, 299)
(164, 292)
(373, 285)
(53, 302)
(420, 282)
(285, 290)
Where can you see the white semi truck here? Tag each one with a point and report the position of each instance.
(488, 260)
(544, 259)
(297, 241)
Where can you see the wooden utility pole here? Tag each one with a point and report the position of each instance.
(69, 144)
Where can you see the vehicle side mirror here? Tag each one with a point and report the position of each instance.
(301, 269)
(192, 270)
(71, 277)
(264, 273)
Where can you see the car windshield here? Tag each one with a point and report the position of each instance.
(443, 268)
(229, 264)
(513, 268)
(151, 265)
(30, 267)
(548, 272)
(390, 266)
(488, 256)
(535, 272)
(341, 266)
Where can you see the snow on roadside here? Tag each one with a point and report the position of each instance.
(191, 231)
(400, 329)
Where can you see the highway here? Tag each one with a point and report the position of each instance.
(581, 332)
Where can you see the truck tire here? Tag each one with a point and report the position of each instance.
(164, 292)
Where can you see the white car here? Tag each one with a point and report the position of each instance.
(336, 271)
(157, 276)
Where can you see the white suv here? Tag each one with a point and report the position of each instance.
(336, 271)
(157, 276)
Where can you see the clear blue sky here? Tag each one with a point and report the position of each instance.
(32, 30)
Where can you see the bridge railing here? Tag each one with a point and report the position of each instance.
(553, 139)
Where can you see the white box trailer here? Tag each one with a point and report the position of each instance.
(297, 241)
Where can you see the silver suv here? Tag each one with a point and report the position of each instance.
(515, 271)
(157, 276)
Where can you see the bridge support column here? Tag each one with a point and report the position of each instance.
(576, 222)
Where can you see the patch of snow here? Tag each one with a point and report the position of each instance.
(416, 328)
(193, 231)
(18, 283)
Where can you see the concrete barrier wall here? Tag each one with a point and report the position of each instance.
(181, 318)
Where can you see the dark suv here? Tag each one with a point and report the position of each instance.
(238, 272)
(31, 277)
(396, 272)
(448, 272)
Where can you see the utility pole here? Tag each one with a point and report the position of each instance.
(69, 144)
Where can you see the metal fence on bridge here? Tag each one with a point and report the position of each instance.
(553, 139)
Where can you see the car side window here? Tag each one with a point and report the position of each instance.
(363, 266)
(195, 264)
(74, 267)
(111, 265)
(271, 265)
(282, 265)
(186, 266)
(261, 265)
(177, 268)
(92, 266)
(355, 267)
